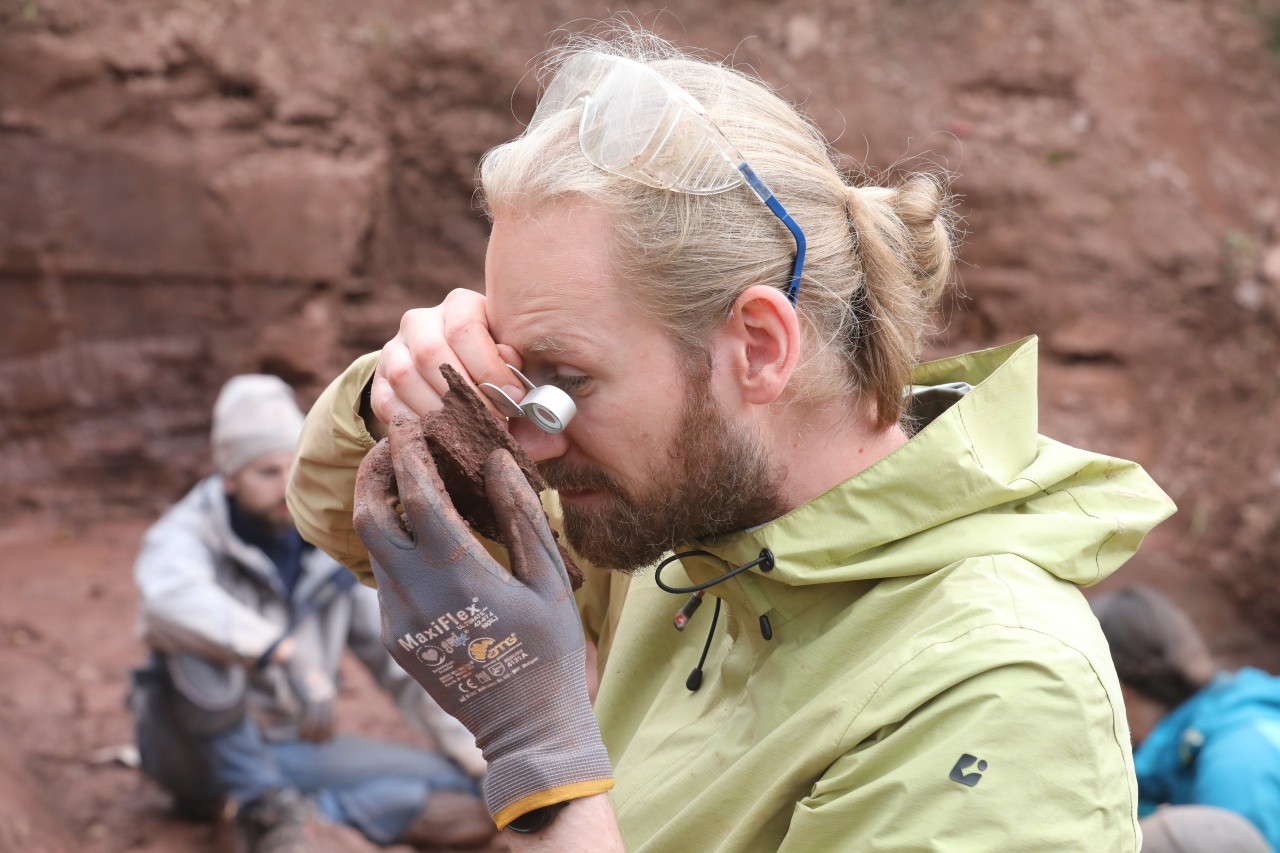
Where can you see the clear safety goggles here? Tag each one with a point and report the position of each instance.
(637, 124)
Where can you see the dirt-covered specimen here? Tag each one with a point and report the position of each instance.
(461, 436)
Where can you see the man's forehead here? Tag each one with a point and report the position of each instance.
(540, 324)
(550, 281)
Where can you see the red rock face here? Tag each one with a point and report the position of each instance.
(187, 193)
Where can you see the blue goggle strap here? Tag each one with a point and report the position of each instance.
(766, 195)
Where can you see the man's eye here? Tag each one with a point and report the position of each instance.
(570, 384)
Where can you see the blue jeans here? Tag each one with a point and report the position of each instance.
(375, 786)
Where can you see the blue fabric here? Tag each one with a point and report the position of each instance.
(1219, 748)
(375, 786)
(198, 771)
(284, 549)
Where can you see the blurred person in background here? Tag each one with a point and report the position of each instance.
(1202, 735)
(247, 625)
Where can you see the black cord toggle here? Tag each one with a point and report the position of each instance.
(694, 681)
(766, 563)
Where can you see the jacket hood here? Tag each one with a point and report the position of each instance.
(977, 476)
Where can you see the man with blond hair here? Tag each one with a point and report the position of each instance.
(717, 338)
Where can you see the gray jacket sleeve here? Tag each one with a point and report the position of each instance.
(183, 607)
(417, 707)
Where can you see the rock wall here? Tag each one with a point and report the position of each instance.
(189, 190)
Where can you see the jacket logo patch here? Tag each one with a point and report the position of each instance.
(966, 761)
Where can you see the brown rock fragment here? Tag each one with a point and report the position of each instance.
(461, 436)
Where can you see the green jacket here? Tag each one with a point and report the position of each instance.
(934, 681)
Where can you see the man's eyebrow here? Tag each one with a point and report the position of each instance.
(547, 345)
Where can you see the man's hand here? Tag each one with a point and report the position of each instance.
(502, 652)
(408, 379)
(316, 692)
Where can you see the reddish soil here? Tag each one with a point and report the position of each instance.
(191, 190)
(66, 645)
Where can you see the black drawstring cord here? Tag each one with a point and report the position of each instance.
(765, 561)
(694, 681)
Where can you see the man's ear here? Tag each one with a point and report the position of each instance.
(761, 343)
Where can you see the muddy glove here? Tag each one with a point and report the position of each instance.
(315, 690)
(502, 652)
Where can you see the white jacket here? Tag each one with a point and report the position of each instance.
(205, 591)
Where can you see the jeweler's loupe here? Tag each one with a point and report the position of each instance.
(546, 405)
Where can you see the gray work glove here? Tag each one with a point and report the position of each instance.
(315, 691)
(503, 652)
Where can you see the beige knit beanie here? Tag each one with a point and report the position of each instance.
(254, 415)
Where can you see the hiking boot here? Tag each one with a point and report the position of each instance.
(277, 822)
(198, 811)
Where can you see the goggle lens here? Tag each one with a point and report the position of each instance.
(637, 124)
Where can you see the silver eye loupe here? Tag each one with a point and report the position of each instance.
(546, 405)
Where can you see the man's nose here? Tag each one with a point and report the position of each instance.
(540, 445)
